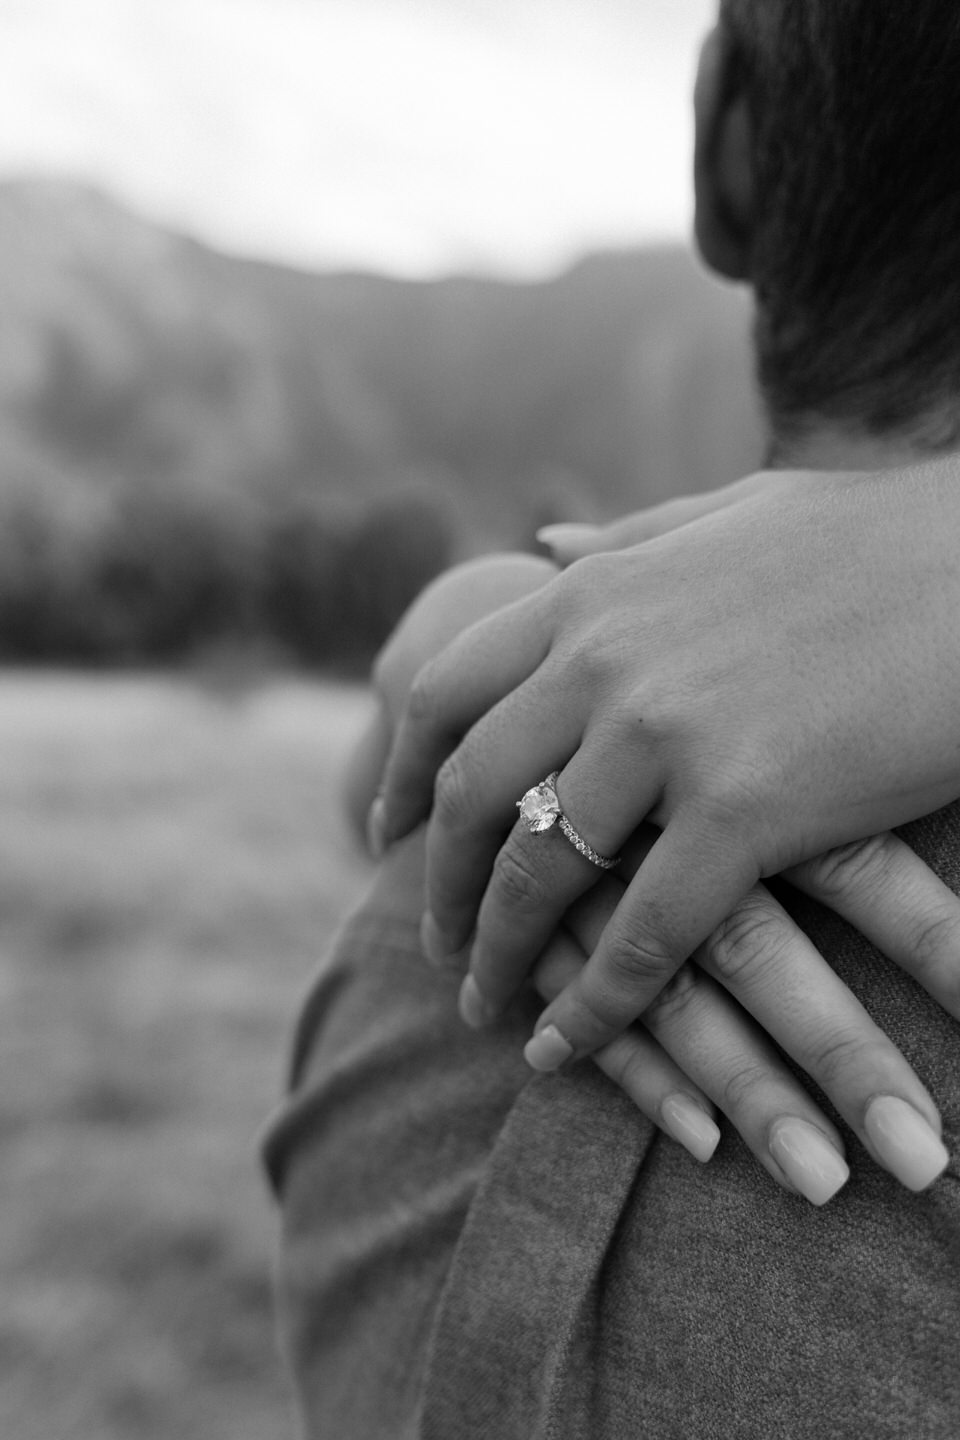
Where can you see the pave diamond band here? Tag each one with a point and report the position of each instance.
(587, 851)
(540, 811)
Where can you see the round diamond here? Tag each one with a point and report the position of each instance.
(539, 808)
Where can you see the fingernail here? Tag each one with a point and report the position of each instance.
(376, 828)
(690, 1124)
(561, 540)
(904, 1141)
(808, 1159)
(547, 1050)
(475, 1009)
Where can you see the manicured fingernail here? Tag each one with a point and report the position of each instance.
(690, 1124)
(547, 1050)
(904, 1141)
(561, 540)
(808, 1159)
(475, 1009)
(376, 828)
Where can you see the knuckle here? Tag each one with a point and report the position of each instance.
(675, 1001)
(742, 1085)
(847, 868)
(591, 675)
(733, 798)
(840, 1055)
(751, 937)
(602, 1009)
(624, 1063)
(645, 713)
(517, 883)
(637, 958)
(732, 807)
(453, 793)
(935, 943)
(620, 723)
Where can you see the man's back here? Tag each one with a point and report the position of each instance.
(470, 1251)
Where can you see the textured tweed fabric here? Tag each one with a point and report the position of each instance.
(471, 1252)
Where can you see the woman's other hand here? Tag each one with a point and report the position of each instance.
(707, 1039)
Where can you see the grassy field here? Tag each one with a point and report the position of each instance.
(171, 858)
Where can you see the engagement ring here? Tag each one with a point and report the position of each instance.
(540, 810)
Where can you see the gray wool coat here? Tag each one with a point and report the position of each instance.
(471, 1252)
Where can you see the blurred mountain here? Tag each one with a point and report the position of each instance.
(132, 357)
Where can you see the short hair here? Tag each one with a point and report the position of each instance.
(855, 106)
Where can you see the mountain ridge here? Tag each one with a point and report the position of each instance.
(134, 355)
(202, 451)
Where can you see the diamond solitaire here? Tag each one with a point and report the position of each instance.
(539, 808)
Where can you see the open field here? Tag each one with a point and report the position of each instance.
(171, 859)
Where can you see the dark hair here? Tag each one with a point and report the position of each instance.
(856, 262)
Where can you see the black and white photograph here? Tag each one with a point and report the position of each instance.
(479, 720)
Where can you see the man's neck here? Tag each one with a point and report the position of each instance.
(826, 448)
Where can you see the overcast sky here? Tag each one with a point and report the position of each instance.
(413, 136)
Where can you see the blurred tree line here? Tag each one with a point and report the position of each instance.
(162, 575)
(200, 453)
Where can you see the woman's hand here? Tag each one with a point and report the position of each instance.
(700, 1046)
(707, 1038)
(767, 682)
